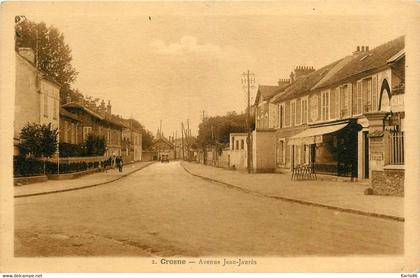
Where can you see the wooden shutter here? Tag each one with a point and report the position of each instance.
(332, 103)
(374, 93)
(359, 98)
(298, 111)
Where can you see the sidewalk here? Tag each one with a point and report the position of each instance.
(54, 186)
(339, 195)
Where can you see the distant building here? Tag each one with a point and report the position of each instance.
(36, 95)
(238, 149)
(161, 145)
(131, 141)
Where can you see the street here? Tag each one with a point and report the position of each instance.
(164, 211)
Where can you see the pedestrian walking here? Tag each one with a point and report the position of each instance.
(120, 163)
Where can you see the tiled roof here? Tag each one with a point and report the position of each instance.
(163, 139)
(304, 84)
(345, 68)
(371, 60)
(65, 113)
(109, 118)
(266, 92)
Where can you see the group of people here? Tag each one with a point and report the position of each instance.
(113, 162)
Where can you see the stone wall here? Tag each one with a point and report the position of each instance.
(388, 182)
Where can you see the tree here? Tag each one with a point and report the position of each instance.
(216, 130)
(54, 55)
(38, 140)
(147, 136)
(147, 139)
(95, 145)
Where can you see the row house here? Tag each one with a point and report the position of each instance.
(346, 118)
(131, 141)
(80, 118)
(36, 95)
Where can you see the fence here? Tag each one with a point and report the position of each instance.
(26, 167)
(396, 147)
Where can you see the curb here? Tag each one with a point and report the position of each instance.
(302, 202)
(82, 187)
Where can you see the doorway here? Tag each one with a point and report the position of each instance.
(366, 154)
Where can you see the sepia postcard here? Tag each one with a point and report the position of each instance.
(210, 136)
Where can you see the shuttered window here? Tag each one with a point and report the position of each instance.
(374, 94)
(293, 113)
(332, 106)
(287, 114)
(298, 112)
(359, 98)
(325, 104)
(304, 111)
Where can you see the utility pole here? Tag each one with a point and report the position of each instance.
(188, 139)
(248, 81)
(204, 115)
(182, 139)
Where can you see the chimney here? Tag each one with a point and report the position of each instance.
(27, 53)
(292, 77)
(108, 108)
(283, 82)
(367, 48)
(301, 71)
(68, 98)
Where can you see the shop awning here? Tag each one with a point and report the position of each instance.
(314, 135)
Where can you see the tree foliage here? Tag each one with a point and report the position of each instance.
(54, 54)
(147, 136)
(95, 145)
(38, 140)
(216, 130)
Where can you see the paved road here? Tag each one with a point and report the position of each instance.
(164, 211)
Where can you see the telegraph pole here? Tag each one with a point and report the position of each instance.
(182, 139)
(248, 81)
(188, 139)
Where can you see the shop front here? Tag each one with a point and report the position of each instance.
(329, 148)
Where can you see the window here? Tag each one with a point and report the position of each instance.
(76, 134)
(333, 107)
(358, 98)
(233, 143)
(287, 114)
(367, 94)
(315, 107)
(242, 144)
(298, 112)
(237, 144)
(374, 93)
(45, 104)
(396, 152)
(281, 151)
(325, 105)
(281, 115)
(66, 132)
(304, 110)
(86, 131)
(344, 101)
(73, 133)
(55, 109)
(293, 113)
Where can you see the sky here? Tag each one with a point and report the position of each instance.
(172, 66)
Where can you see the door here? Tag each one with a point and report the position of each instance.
(366, 154)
